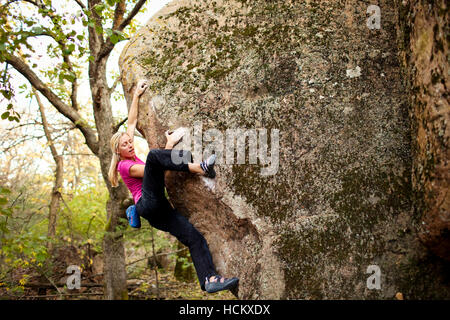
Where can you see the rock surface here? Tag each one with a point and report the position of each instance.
(341, 198)
(424, 37)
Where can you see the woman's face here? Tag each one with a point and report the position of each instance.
(126, 148)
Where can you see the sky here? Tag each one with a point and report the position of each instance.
(27, 105)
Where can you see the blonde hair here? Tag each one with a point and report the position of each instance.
(112, 174)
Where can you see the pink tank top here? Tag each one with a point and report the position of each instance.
(133, 184)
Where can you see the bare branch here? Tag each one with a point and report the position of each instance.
(80, 4)
(113, 87)
(79, 154)
(108, 46)
(46, 126)
(132, 14)
(96, 40)
(117, 126)
(74, 93)
(20, 141)
(36, 123)
(119, 13)
(8, 3)
(67, 111)
(33, 3)
(66, 58)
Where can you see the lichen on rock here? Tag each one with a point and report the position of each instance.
(342, 196)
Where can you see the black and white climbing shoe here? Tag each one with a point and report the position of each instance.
(208, 166)
(217, 285)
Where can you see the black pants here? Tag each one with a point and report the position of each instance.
(154, 206)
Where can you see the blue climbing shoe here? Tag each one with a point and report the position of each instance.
(133, 217)
(217, 285)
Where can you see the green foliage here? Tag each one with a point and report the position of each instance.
(85, 221)
(5, 211)
(18, 249)
(24, 245)
(22, 22)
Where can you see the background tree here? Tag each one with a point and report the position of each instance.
(86, 36)
(59, 171)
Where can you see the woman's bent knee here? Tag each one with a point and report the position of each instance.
(152, 154)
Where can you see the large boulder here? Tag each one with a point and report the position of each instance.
(332, 210)
(423, 41)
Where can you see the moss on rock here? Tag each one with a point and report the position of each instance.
(343, 197)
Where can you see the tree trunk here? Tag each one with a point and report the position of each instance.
(115, 276)
(54, 202)
(100, 48)
(114, 253)
(183, 272)
(59, 170)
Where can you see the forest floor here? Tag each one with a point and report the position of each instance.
(30, 282)
(172, 289)
(144, 288)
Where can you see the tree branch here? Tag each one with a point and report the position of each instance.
(113, 87)
(119, 13)
(74, 93)
(117, 126)
(33, 3)
(80, 4)
(96, 40)
(132, 14)
(66, 58)
(46, 126)
(108, 45)
(88, 133)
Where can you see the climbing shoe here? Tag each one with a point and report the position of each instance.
(133, 217)
(208, 166)
(217, 285)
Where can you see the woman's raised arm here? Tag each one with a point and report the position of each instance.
(132, 114)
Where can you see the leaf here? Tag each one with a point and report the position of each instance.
(98, 29)
(109, 32)
(114, 39)
(5, 115)
(120, 34)
(71, 47)
(70, 77)
(99, 8)
(4, 190)
(37, 30)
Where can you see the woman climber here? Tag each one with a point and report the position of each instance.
(146, 183)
